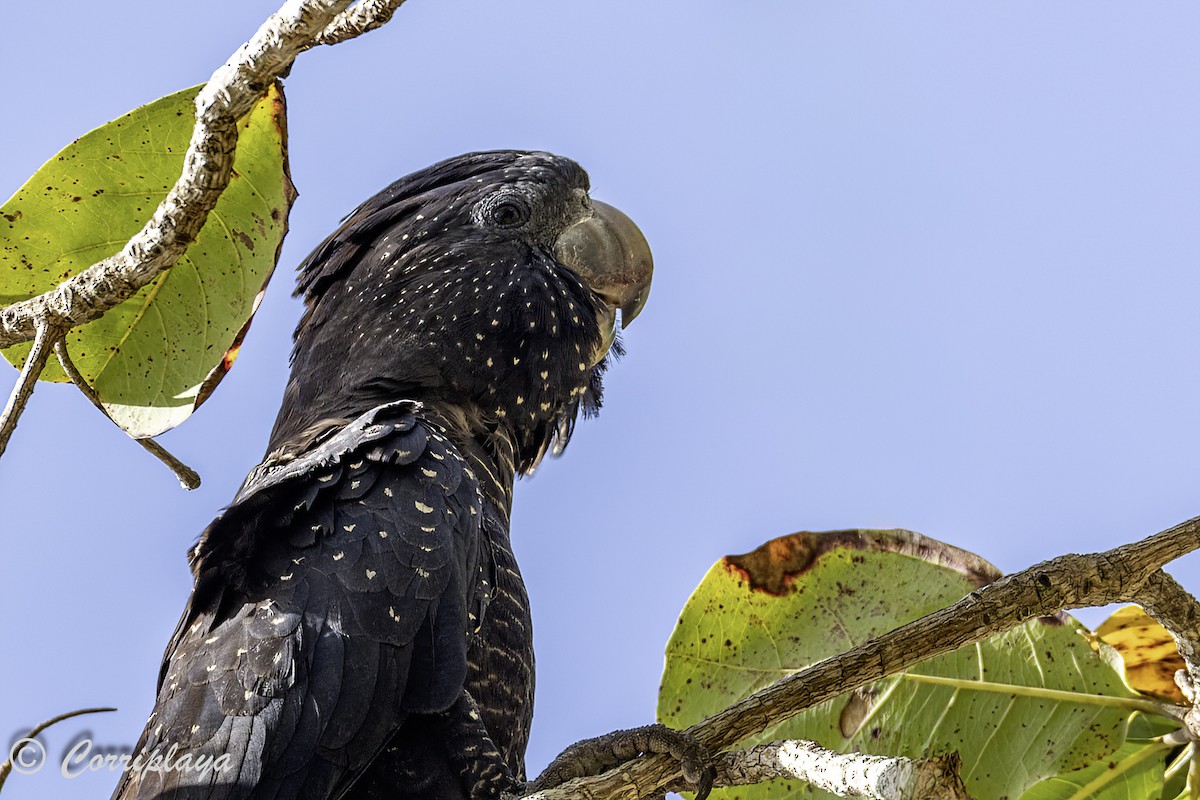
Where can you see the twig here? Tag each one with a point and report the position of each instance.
(366, 15)
(229, 94)
(46, 336)
(7, 766)
(188, 478)
(1070, 581)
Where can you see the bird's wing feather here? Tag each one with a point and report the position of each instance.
(332, 599)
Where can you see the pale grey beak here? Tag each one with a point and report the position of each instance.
(612, 256)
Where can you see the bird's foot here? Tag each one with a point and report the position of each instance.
(593, 756)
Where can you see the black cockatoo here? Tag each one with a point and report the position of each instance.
(358, 627)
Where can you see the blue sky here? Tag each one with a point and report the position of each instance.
(926, 264)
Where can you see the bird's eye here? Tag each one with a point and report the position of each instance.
(507, 211)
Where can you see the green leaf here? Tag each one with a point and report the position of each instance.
(799, 599)
(1182, 773)
(156, 357)
(1133, 772)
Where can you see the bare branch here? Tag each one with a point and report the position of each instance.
(843, 774)
(363, 16)
(1070, 581)
(188, 478)
(7, 766)
(34, 364)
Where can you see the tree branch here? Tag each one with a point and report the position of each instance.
(366, 15)
(843, 774)
(7, 766)
(1124, 574)
(187, 476)
(231, 91)
(46, 335)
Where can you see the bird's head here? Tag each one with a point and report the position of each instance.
(491, 281)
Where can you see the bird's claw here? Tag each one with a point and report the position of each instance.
(593, 756)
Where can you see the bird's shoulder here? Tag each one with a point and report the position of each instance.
(392, 464)
(343, 581)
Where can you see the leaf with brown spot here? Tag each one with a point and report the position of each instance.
(156, 357)
(801, 598)
(1134, 772)
(1147, 650)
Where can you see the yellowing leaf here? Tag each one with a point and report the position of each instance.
(1148, 651)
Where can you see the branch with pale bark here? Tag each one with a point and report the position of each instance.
(232, 90)
(844, 774)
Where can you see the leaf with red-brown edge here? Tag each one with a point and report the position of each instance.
(154, 358)
(1019, 707)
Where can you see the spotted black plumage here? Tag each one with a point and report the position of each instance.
(476, 315)
(358, 626)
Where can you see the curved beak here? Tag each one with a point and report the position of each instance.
(612, 256)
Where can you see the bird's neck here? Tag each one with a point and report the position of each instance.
(489, 449)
